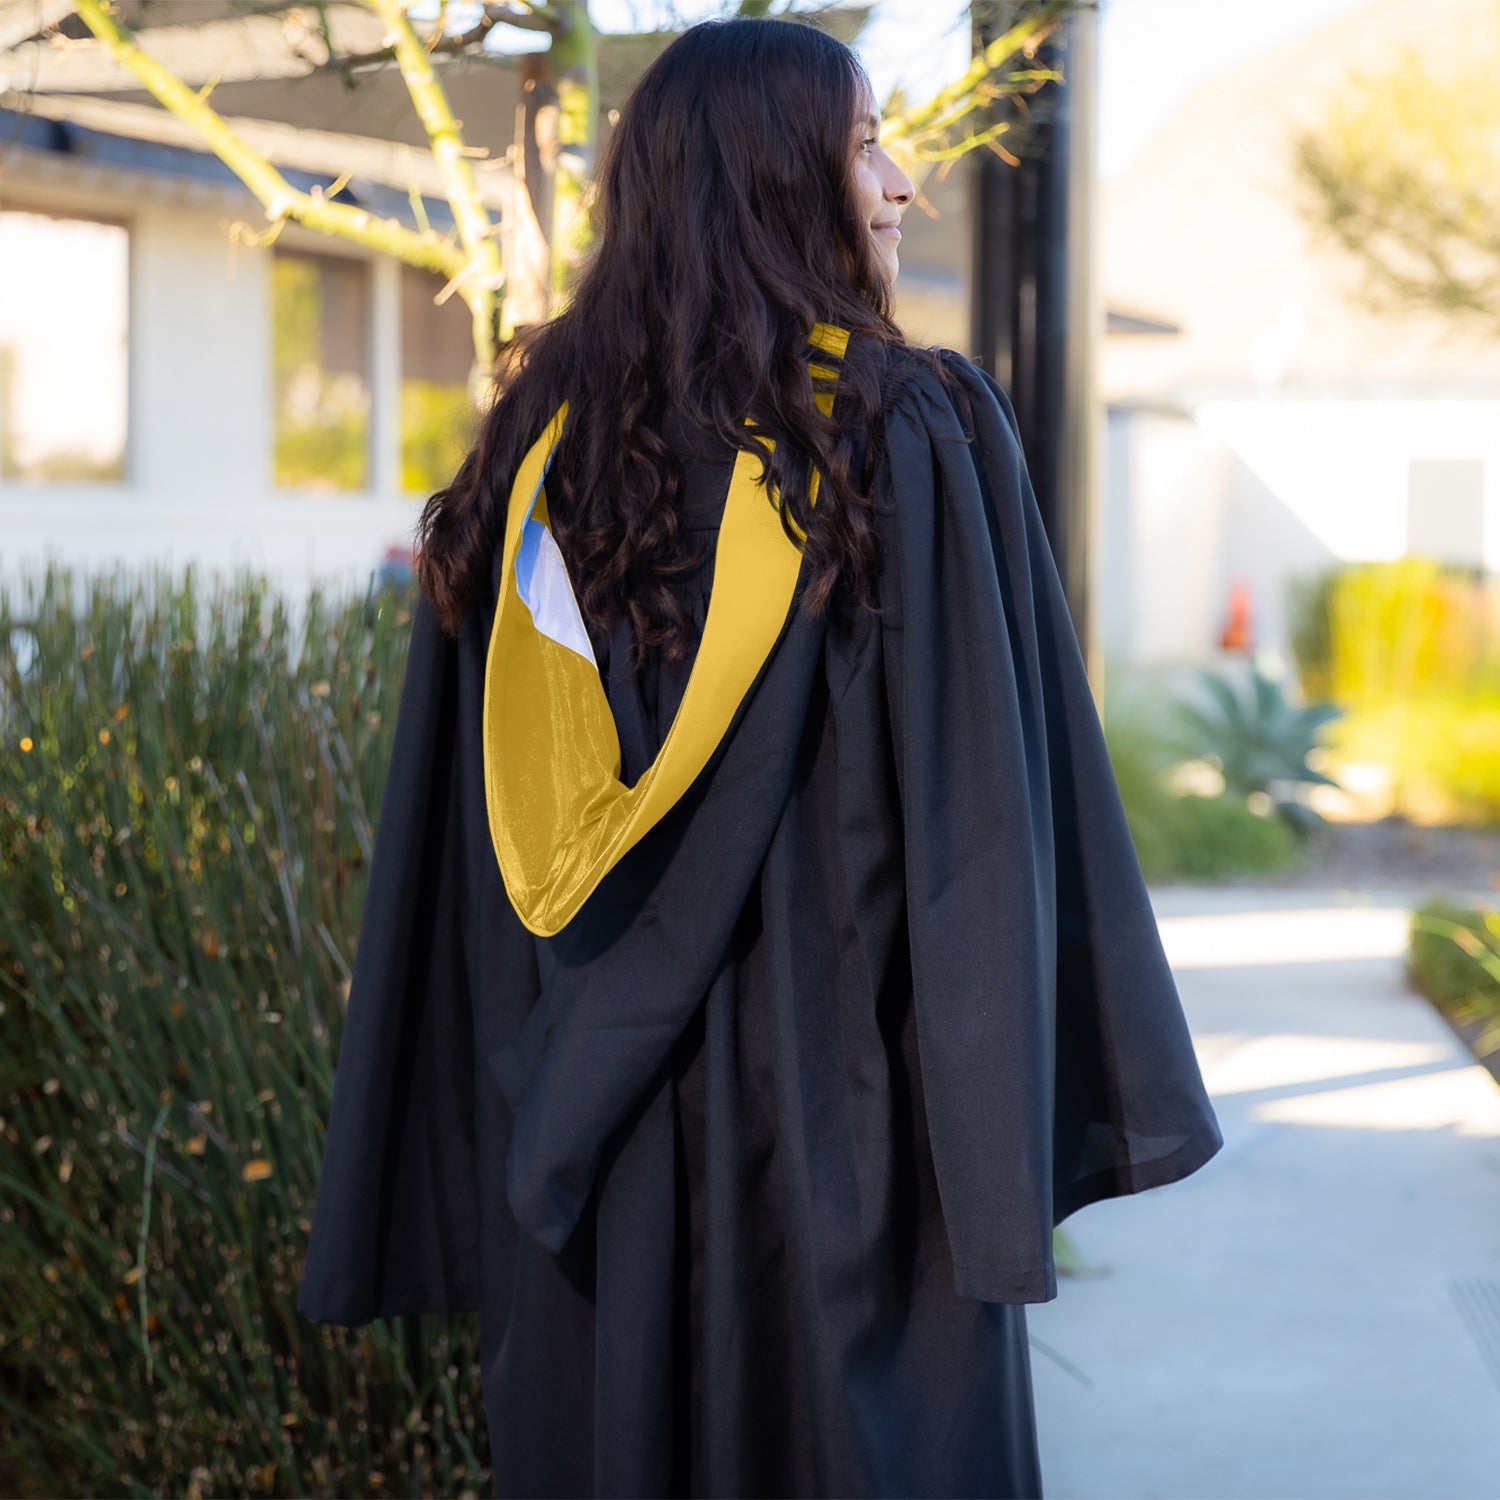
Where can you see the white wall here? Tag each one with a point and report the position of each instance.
(1161, 574)
(200, 436)
(1342, 468)
(1268, 489)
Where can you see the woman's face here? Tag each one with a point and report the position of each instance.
(881, 189)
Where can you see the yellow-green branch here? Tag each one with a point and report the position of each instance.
(280, 199)
(486, 277)
(967, 92)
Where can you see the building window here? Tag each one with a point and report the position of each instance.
(438, 425)
(64, 300)
(321, 363)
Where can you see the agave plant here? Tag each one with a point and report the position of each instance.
(1259, 741)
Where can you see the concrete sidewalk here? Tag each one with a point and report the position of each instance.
(1316, 1312)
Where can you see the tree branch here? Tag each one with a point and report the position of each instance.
(281, 200)
(523, 18)
(978, 85)
(485, 274)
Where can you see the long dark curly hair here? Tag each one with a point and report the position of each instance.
(725, 228)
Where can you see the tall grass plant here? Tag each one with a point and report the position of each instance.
(189, 783)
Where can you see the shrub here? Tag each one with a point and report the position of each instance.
(1454, 959)
(1368, 633)
(1221, 836)
(189, 783)
(1411, 650)
(1310, 629)
(1184, 836)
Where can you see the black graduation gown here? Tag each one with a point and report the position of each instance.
(751, 1169)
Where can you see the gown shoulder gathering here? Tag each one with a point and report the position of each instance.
(750, 1170)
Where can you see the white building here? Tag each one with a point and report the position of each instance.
(1285, 427)
(171, 391)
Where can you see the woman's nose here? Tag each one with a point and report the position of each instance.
(899, 189)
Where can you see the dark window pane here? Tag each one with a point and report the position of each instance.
(437, 347)
(321, 363)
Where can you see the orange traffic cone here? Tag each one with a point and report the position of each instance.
(1238, 634)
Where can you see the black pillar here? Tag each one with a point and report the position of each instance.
(1035, 316)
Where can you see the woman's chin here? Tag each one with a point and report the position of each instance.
(887, 263)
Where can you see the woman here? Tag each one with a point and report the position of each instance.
(738, 1075)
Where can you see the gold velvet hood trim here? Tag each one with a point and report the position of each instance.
(560, 817)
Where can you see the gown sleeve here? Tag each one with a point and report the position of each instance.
(397, 1222)
(1056, 1059)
